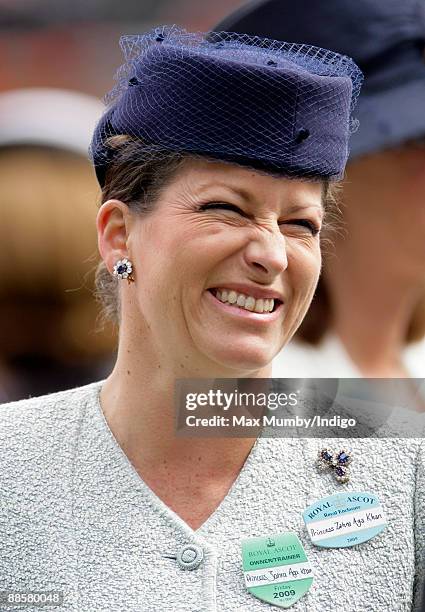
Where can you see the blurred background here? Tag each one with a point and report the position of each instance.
(58, 60)
(74, 45)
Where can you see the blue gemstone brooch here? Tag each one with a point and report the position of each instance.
(338, 462)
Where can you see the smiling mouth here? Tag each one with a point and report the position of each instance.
(246, 302)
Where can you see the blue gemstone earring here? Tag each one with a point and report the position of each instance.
(123, 269)
(337, 462)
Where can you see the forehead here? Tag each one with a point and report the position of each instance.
(204, 178)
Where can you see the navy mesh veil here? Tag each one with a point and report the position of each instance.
(280, 107)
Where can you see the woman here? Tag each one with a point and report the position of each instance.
(194, 156)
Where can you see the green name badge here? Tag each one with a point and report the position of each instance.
(276, 568)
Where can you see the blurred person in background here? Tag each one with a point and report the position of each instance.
(368, 314)
(47, 209)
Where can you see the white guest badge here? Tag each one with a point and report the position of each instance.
(276, 569)
(344, 519)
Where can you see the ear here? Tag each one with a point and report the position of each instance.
(112, 232)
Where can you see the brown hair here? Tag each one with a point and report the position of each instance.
(136, 177)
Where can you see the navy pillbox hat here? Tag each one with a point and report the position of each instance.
(273, 106)
(386, 38)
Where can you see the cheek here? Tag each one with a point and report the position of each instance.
(305, 271)
(209, 251)
(304, 265)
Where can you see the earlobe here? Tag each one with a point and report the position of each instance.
(112, 232)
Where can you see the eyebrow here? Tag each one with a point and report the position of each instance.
(240, 191)
(293, 208)
(246, 195)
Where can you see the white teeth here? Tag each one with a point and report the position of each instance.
(232, 297)
(245, 301)
(249, 303)
(259, 305)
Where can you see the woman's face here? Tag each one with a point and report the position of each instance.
(225, 265)
(387, 190)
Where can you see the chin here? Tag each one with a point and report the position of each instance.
(242, 357)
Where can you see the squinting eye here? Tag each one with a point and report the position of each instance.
(312, 227)
(222, 205)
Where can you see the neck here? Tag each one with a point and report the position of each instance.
(139, 405)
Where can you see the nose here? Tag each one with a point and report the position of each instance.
(266, 253)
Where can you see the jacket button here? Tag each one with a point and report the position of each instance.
(190, 557)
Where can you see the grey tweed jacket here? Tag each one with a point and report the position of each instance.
(76, 517)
